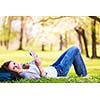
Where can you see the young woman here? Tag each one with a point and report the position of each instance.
(58, 69)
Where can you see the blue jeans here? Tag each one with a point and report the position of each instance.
(69, 57)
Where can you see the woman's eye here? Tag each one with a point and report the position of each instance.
(14, 63)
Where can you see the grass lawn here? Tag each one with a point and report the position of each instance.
(93, 67)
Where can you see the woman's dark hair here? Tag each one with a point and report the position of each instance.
(4, 68)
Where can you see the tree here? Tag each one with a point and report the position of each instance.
(9, 30)
(81, 32)
(2, 37)
(93, 25)
(4, 32)
(77, 29)
(93, 35)
(61, 42)
(21, 33)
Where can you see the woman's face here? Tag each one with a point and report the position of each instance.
(13, 66)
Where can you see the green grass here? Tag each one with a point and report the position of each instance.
(93, 66)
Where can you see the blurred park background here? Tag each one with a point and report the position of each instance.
(50, 36)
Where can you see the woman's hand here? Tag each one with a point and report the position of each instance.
(32, 53)
(38, 61)
(36, 58)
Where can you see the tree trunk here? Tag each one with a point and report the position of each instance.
(85, 42)
(80, 42)
(0, 43)
(21, 34)
(65, 40)
(4, 35)
(81, 32)
(9, 31)
(61, 42)
(43, 49)
(93, 35)
(79, 38)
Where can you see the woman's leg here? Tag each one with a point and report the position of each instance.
(79, 65)
(66, 60)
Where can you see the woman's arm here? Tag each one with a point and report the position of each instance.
(38, 62)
